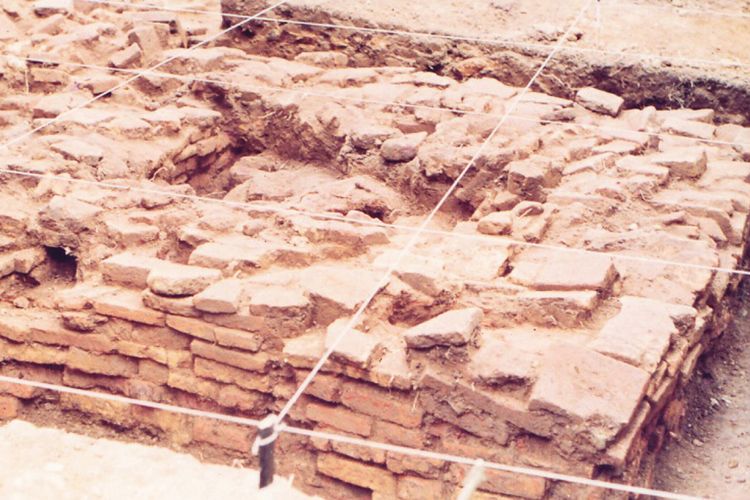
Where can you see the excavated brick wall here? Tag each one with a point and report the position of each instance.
(479, 345)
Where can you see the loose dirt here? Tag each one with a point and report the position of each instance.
(44, 463)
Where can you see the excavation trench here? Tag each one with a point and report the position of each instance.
(253, 230)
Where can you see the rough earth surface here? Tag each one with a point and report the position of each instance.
(51, 464)
(200, 235)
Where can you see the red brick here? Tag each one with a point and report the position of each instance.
(230, 436)
(174, 424)
(233, 397)
(19, 391)
(152, 372)
(386, 405)
(253, 362)
(193, 327)
(141, 351)
(340, 418)
(395, 434)
(425, 467)
(9, 407)
(238, 338)
(128, 305)
(104, 364)
(186, 381)
(153, 335)
(415, 488)
(32, 353)
(230, 375)
(325, 387)
(353, 472)
(75, 378)
(506, 483)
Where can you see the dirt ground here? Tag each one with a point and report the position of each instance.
(711, 457)
(47, 463)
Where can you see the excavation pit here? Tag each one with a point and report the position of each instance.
(202, 235)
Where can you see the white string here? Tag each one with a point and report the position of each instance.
(418, 34)
(526, 471)
(56, 119)
(352, 323)
(342, 439)
(137, 402)
(326, 95)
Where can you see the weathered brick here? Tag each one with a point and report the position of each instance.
(179, 280)
(128, 269)
(220, 372)
(75, 378)
(239, 339)
(506, 483)
(230, 436)
(193, 327)
(128, 305)
(253, 362)
(103, 364)
(111, 411)
(597, 393)
(141, 351)
(186, 381)
(450, 328)
(182, 306)
(19, 391)
(415, 488)
(221, 297)
(353, 472)
(395, 434)
(153, 336)
(425, 467)
(32, 353)
(153, 372)
(325, 387)
(9, 406)
(386, 405)
(175, 425)
(233, 397)
(340, 418)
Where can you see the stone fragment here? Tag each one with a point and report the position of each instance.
(598, 394)
(44, 8)
(498, 362)
(179, 280)
(688, 128)
(640, 333)
(221, 297)
(528, 178)
(357, 473)
(328, 59)
(599, 101)
(77, 150)
(683, 162)
(126, 57)
(496, 223)
(401, 149)
(542, 269)
(353, 347)
(68, 214)
(129, 269)
(455, 328)
(126, 304)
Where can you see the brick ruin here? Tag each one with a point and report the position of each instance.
(485, 342)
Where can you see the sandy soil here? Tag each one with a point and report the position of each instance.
(711, 456)
(44, 463)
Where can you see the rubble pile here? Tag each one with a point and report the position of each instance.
(201, 235)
